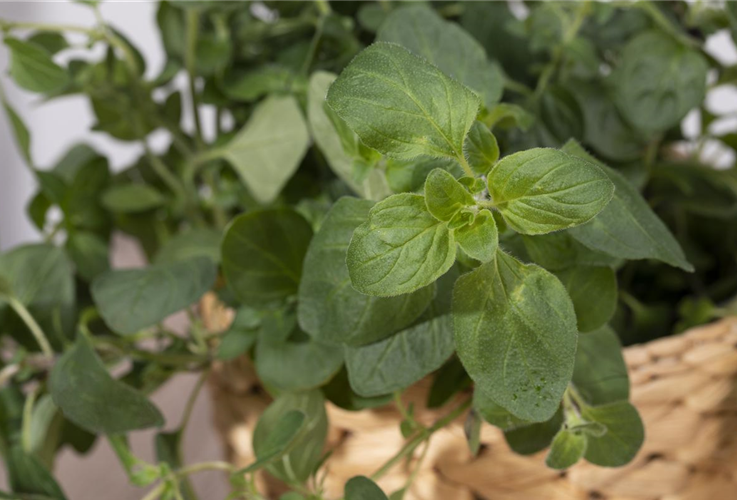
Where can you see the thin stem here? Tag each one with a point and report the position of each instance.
(163, 172)
(192, 399)
(400, 406)
(464, 164)
(193, 31)
(314, 43)
(57, 28)
(35, 329)
(117, 42)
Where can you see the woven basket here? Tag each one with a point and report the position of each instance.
(683, 386)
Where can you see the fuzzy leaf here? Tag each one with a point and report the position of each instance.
(480, 239)
(444, 195)
(481, 148)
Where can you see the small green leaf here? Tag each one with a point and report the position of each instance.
(516, 335)
(532, 438)
(293, 366)
(305, 452)
(627, 228)
(658, 81)
(401, 105)
(254, 84)
(363, 488)
(276, 443)
(472, 429)
(89, 254)
(445, 196)
(593, 291)
(269, 148)
(543, 190)
(132, 198)
(91, 398)
(506, 116)
(262, 255)
(195, 242)
(28, 477)
(132, 299)
(623, 438)
(32, 68)
(600, 375)
(241, 335)
(329, 308)
(51, 41)
(480, 239)
(22, 135)
(566, 449)
(481, 148)
(445, 44)
(400, 249)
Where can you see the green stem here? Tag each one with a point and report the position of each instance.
(118, 43)
(35, 329)
(166, 176)
(464, 164)
(193, 31)
(193, 399)
(57, 28)
(27, 418)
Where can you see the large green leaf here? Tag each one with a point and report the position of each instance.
(91, 398)
(401, 105)
(658, 81)
(329, 308)
(445, 44)
(543, 190)
(406, 357)
(270, 147)
(262, 255)
(600, 375)
(338, 143)
(32, 67)
(516, 335)
(623, 438)
(305, 451)
(132, 299)
(627, 227)
(593, 291)
(400, 249)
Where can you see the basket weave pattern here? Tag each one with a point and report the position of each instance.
(684, 387)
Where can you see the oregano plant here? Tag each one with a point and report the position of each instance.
(498, 201)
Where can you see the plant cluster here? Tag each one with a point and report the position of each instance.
(391, 192)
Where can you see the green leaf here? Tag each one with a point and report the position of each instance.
(401, 105)
(329, 308)
(559, 251)
(194, 242)
(506, 116)
(543, 190)
(91, 398)
(627, 227)
(293, 366)
(89, 253)
(132, 299)
(481, 148)
(402, 359)
(410, 175)
(27, 475)
(241, 335)
(338, 142)
(445, 196)
(22, 135)
(32, 68)
(269, 148)
(450, 379)
(51, 41)
(132, 198)
(623, 438)
(262, 255)
(339, 392)
(254, 84)
(306, 450)
(276, 443)
(445, 44)
(363, 488)
(593, 291)
(658, 81)
(532, 438)
(479, 239)
(472, 430)
(516, 335)
(494, 414)
(400, 249)
(566, 449)
(406, 357)
(600, 375)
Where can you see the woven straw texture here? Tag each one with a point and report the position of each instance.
(684, 387)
